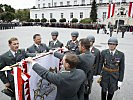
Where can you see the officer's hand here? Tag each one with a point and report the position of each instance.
(119, 84)
(29, 60)
(7, 84)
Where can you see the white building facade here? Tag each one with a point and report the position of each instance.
(79, 9)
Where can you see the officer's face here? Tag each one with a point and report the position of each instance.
(112, 46)
(54, 37)
(80, 47)
(14, 45)
(91, 43)
(37, 40)
(74, 38)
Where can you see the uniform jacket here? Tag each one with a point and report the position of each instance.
(34, 49)
(115, 61)
(8, 59)
(68, 83)
(56, 45)
(73, 46)
(96, 53)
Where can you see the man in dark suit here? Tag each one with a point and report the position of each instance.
(37, 47)
(7, 59)
(69, 82)
(112, 65)
(55, 43)
(72, 45)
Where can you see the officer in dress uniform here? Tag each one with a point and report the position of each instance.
(37, 47)
(95, 52)
(111, 30)
(123, 30)
(9, 58)
(72, 45)
(55, 43)
(112, 65)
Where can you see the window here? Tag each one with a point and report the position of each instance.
(110, 1)
(68, 3)
(100, 1)
(42, 16)
(83, 1)
(104, 15)
(123, 0)
(55, 4)
(38, 5)
(81, 14)
(75, 2)
(61, 15)
(43, 4)
(35, 16)
(71, 15)
(51, 15)
(61, 3)
(49, 4)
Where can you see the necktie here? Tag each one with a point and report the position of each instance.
(111, 53)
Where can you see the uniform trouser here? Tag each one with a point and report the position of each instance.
(122, 34)
(110, 34)
(104, 96)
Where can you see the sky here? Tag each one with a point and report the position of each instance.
(19, 4)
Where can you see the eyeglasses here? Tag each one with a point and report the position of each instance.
(111, 44)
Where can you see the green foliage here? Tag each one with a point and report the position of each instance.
(86, 20)
(37, 20)
(93, 13)
(7, 13)
(52, 20)
(7, 16)
(44, 20)
(23, 15)
(74, 20)
(62, 20)
(31, 20)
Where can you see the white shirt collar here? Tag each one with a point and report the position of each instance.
(13, 53)
(36, 45)
(91, 48)
(112, 51)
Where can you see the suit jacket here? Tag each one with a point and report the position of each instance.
(115, 61)
(68, 83)
(56, 45)
(96, 53)
(8, 59)
(34, 49)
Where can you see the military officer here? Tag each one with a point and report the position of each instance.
(112, 65)
(55, 43)
(95, 52)
(7, 59)
(72, 45)
(111, 30)
(123, 30)
(69, 82)
(37, 47)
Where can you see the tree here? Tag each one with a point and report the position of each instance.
(62, 20)
(7, 13)
(52, 20)
(23, 15)
(74, 20)
(86, 21)
(43, 20)
(93, 13)
(7, 16)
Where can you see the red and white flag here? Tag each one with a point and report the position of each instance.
(130, 11)
(111, 10)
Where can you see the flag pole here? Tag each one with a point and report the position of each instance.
(118, 19)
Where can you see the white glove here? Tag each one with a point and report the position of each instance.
(119, 84)
(95, 77)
